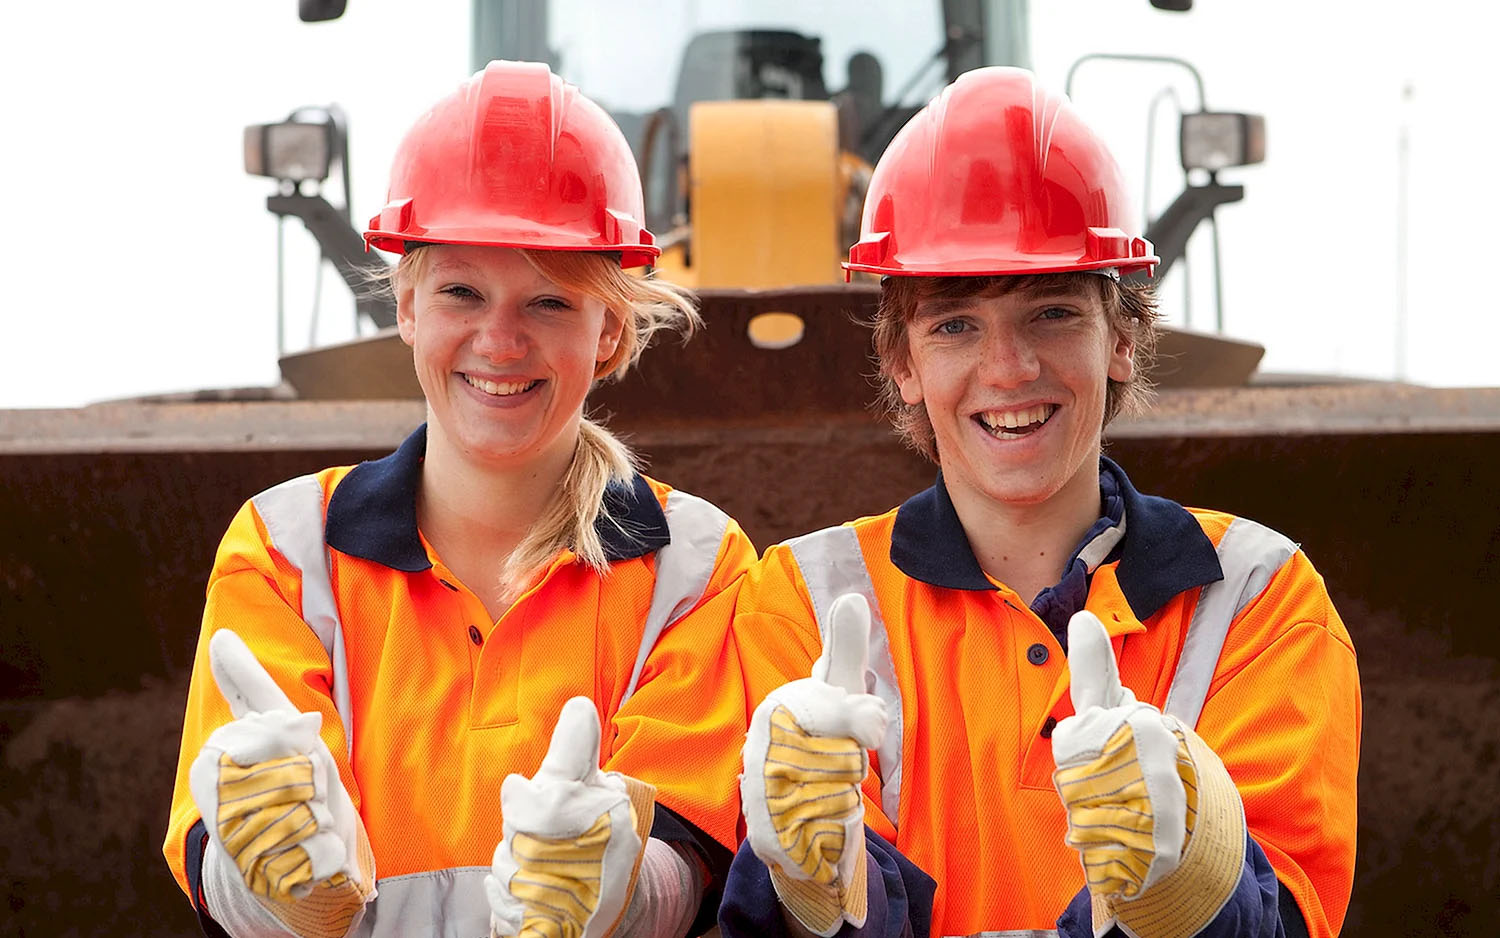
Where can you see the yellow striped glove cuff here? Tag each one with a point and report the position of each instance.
(1186, 900)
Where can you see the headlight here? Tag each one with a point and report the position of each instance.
(292, 150)
(1215, 140)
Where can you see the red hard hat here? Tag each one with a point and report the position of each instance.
(516, 157)
(997, 175)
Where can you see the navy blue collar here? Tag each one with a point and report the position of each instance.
(373, 512)
(1164, 552)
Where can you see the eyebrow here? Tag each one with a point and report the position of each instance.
(947, 306)
(1055, 293)
(943, 306)
(452, 265)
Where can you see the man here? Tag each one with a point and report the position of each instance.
(1014, 613)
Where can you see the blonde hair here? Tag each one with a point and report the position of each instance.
(1129, 306)
(647, 306)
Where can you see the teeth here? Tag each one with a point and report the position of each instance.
(499, 388)
(1016, 419)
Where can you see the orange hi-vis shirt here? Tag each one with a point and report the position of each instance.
(1216, 619)
(427, 704)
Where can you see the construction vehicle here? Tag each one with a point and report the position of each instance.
(109, 514)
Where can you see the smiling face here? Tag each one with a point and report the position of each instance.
(504, 355)
(1014, 385)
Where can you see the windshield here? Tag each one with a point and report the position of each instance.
(640, 57)
(648, 61)
(665, 52)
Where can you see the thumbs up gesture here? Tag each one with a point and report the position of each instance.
(573, 839)
(805, 758)
(1152, 812)
(270, 796)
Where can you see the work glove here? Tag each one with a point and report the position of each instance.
(270, 796)
(1151, 810)
(573, 839)
(805, 758)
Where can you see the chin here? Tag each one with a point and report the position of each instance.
(1022, 493)
(492, 447)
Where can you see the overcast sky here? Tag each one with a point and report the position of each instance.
(142, 259)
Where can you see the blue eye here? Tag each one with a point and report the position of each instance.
(1055, 312)
(460, 291)
(551, 302)
(952, 327)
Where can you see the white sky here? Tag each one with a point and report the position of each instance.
(141, 259)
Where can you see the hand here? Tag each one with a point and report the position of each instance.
(573, 838)
(1133, 781)
(268, 789)
(805, 759)
(1117, 772)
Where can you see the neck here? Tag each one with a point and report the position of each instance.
(1026, 546)
(476, 512)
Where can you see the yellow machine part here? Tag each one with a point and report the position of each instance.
(764, 194)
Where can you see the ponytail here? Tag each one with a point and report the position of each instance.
(571, 517)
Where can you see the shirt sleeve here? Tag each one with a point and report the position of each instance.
(683, 728)
(776, 639)
(899, 894)
(1283, 713)
(253, 591)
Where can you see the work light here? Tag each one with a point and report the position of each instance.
(1215, 140)
(295, 150)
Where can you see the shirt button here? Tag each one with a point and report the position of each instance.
(1037, 654)
(1048, 725)
(474, 635)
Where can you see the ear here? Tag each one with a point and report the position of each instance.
(1121, 356)
(908, 382)
(406, 314)
(609, 335)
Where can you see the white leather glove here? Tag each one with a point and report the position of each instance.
(805, 758)
(573, 839)
(271, 800)
(1153, 814)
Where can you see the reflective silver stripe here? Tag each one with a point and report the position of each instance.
(1249, 554)
(1012, 933)
(683, 569)
(1094, 552)
(437, 904)
(293, 516)
(832, 565)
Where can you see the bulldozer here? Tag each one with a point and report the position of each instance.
(109, 514)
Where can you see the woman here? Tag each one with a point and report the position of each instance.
(420, 620)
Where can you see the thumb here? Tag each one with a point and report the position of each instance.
(241, 679)
(574, 751)
(1091, 664)
(846, 653)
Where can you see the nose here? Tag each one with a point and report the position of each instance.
(500, 335)
(1010, 358)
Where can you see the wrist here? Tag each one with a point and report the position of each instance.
(823, 908)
